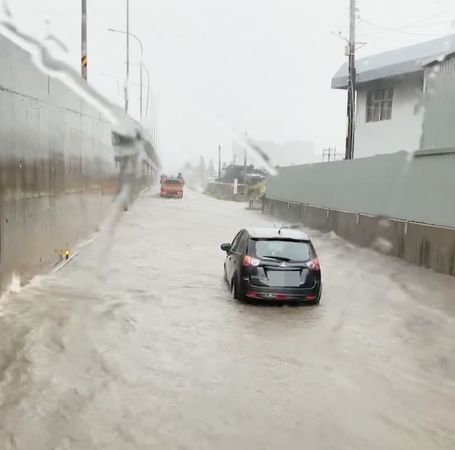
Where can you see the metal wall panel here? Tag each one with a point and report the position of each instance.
(438, 125)
(399, 186)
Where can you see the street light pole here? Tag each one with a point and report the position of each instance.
(127, 53)
(84, 40)
(148, 85)
(115, 79)
(148, 88)
(141, 64)
(219, 162)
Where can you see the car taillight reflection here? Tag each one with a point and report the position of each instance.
(249, 261)
(314, 265)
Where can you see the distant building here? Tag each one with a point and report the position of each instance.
(391, 93)
(287, 154)
(249, 176)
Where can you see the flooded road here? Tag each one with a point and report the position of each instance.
(139, 346)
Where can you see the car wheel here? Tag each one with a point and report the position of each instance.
(319, 297)
(235, 291)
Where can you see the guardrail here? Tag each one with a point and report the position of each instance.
(421, 244)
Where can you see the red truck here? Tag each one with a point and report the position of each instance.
(172, 187)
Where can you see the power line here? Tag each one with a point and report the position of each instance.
(398, 30)
(433, 24)
(451, 8)
(410, 24)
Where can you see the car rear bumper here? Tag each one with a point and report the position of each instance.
(265, 293)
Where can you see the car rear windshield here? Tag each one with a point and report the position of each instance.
(173, 182)
(281, 249)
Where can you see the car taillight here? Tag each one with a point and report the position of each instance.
(314, 265)
(249, 261)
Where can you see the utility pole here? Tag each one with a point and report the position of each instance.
(244, 168)
(219, 162)
(127, 53)
(84, 40)
(244, 160)
(329, 154)
(349, 154)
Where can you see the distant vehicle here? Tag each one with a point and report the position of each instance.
(273, 264)
(171, 187)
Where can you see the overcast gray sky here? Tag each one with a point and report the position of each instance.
(262, 66)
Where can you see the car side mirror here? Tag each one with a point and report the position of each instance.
(226, 247)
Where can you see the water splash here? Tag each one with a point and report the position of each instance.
(14, 287)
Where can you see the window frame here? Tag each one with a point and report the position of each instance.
(379, 104)
(235, 241)
(243, 243)
(308, 243)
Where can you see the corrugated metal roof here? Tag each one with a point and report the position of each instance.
(401, 61)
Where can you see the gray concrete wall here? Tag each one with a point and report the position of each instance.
(420, 244)
(398, 186)
(58, 175)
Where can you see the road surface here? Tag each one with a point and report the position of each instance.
(136, 344)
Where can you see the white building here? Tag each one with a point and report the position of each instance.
(390, 94)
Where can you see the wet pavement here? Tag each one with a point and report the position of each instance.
(138, 345)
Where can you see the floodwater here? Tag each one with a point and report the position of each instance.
(138, 345)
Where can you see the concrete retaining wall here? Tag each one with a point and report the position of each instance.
(424, 245)
(58, 175)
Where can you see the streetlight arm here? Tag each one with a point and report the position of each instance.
(131, 34)
(114, 78)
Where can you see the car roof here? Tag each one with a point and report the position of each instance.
(271, 232)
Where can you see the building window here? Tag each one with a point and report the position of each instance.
(379, 105)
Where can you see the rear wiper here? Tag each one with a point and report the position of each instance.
(279, 258)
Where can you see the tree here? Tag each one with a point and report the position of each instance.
(202, 167)
(211, 170)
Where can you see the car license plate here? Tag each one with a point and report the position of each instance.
(288, 278)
